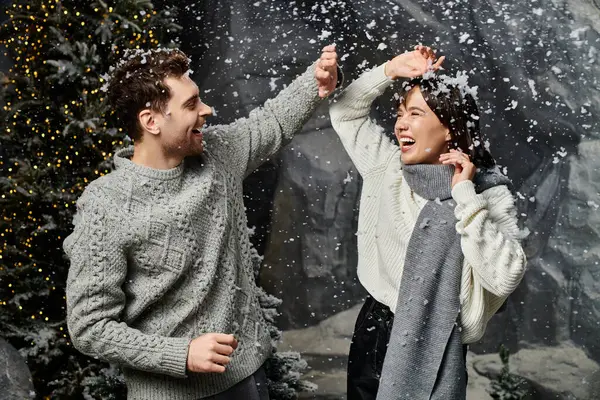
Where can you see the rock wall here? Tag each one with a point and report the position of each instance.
(15, 378)
(536, 66)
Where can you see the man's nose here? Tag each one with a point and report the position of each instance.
(205, 111)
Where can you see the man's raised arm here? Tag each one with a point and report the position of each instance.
(248, 142)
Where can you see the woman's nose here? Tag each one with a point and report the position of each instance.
(401, 125)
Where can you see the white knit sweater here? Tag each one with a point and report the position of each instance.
(487, 222)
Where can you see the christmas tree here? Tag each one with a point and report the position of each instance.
(57, 135)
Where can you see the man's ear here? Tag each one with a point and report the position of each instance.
(147, 120)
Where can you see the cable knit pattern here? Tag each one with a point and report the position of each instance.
(487, 222)
(159, 257)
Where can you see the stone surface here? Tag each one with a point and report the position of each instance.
(15, 378)
(330, 337)
(561, 372)
(478, 385)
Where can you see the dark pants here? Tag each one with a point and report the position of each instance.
(253, 387)
(367, 350)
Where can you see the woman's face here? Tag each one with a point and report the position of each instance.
(421, 135)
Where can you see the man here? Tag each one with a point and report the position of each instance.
(161, 279)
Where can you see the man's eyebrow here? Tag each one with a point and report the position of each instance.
(192, 98)
(415, 108)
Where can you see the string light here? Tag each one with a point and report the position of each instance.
(39, 102)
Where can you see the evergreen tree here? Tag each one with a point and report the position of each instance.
(57, 135)
(507, 386)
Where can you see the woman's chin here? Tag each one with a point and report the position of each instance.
(412, 158)
(408, 160)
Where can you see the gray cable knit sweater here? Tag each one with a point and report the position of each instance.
(159, 257)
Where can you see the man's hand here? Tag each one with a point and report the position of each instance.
(326, 71)
(210, 352)
(464, 169)
(413, 64)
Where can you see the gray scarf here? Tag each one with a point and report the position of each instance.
(425, 358)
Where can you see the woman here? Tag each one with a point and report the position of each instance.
(438, 241)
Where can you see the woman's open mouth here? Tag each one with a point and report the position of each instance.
(406, 143)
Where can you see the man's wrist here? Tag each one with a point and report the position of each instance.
(340, 74)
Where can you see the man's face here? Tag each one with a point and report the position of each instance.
(180, 125)
(420, 133)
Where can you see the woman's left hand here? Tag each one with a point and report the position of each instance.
(464, 169)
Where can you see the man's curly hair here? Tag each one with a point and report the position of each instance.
(137, 82)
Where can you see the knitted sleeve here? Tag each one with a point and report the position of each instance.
(248, 142)
(365, 141)
(95, 299)
(494, 258)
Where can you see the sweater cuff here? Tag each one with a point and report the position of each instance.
(380, 80)
(308, 82)
(464, 192)
(341, 78)
(174, 358)
(369, 86)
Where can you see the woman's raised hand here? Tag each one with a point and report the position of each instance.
(414, 63)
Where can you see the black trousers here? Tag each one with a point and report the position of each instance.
(253, 387)
(367, 350)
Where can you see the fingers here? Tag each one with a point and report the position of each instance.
(219, 359)
(322, 76)
(464, 167)
(439, 62)
(429, 54)
(225, 339)
(329, 48)
(223, 349)
(326, 56)
(211, 352)
(455, 157)
(212, 367)
(455, 153)
(326, 71)
(327, 63)
(224, 343)
(454, 162)
(426, 51)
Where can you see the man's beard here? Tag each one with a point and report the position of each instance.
(184, 148)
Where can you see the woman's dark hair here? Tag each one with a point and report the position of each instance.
(457, 111)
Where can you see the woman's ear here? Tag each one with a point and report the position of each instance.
(448, 136)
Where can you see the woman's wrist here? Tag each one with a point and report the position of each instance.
(387, 70)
